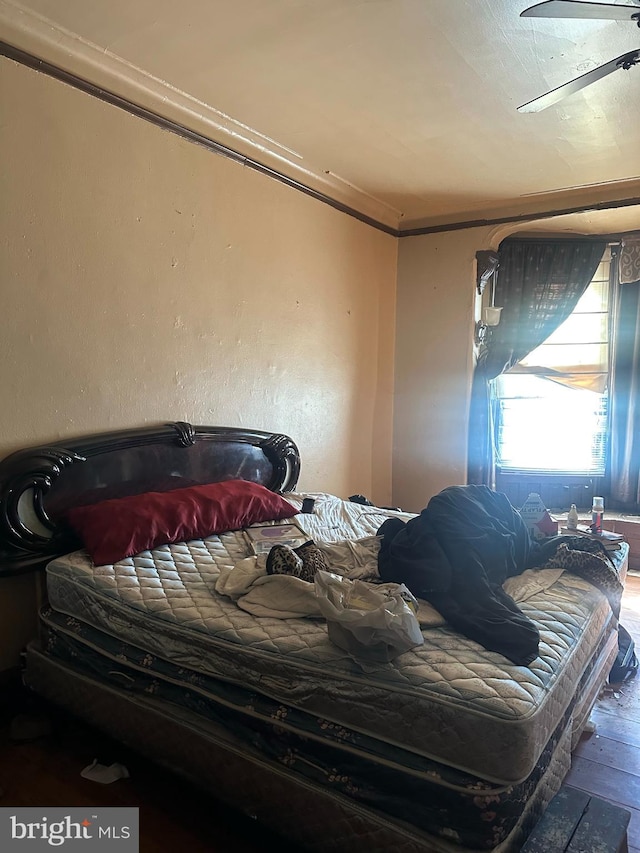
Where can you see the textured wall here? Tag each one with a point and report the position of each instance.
(434, 363)
(145, 279)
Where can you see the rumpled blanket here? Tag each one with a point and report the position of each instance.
(279, 596)
(287, 597)
(458, 552)
(588, 559)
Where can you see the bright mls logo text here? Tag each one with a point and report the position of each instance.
(59, 831)
(111, 829)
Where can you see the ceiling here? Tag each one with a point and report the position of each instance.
(405, 107)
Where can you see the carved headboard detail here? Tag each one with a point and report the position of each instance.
(38, 485)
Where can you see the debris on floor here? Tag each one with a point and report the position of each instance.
(103, 773)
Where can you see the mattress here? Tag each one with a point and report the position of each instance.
(432, 701)
(316, 816)
(398, 784)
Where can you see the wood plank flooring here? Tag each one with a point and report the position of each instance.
(174, 816)
(607, 762)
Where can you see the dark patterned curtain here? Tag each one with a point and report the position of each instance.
(538, 284)
(624, 468)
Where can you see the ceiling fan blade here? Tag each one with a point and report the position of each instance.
(578, 9)
(626, 60)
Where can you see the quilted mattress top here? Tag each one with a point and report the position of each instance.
(450, 699)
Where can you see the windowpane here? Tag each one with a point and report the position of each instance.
(545, 426)
(595, 298)
(581, 328)
(567, 356)
(548, 424)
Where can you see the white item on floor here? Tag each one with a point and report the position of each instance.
(103, 774)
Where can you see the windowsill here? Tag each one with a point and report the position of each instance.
(610, 518)
(618, 522)
(542, 472)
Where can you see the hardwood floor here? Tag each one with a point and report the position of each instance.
(174, 816)
(607, 762)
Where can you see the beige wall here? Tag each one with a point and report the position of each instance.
(436, 305)
(146, 279)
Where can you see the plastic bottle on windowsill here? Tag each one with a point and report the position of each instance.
(597, 514)
(572, 518)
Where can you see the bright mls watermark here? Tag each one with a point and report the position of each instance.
(75, 829)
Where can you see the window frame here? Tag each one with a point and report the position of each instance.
(566, 486)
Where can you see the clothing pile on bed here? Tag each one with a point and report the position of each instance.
(458, 552)
(455, 555)
(452, 737)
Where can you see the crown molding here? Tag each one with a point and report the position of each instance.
(434, 227)
(41, 44)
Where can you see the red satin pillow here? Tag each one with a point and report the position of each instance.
(122, 527)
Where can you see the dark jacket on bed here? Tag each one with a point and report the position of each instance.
(456, 554)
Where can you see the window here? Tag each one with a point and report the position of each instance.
(552, 407)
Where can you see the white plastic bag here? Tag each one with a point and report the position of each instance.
(374, 623)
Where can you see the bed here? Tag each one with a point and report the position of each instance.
(447, 747)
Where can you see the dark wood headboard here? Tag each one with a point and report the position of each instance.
(39, 484)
